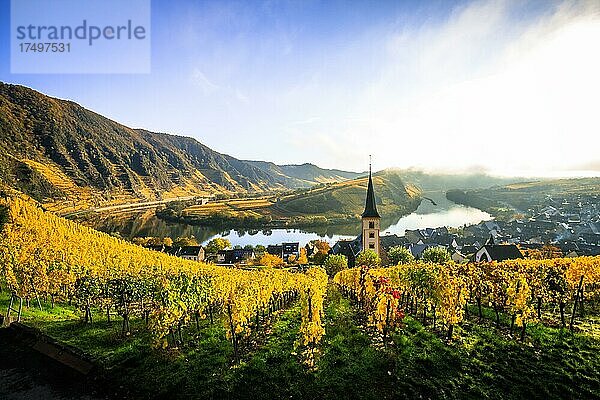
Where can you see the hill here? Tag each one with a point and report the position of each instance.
(438, 181)
(393, 196)
(324, 204)
(506, 201)
(65, 155)
(304, 175)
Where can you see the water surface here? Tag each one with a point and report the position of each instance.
(428, 215)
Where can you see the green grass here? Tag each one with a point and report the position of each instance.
(483, 362)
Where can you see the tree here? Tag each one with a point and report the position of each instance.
(321, 245)
(546, 252)
(437, 255)
(319, 258)
(302, 259)
(400, 255)
(217, 244)
(259, 249)
(269, 260)
(185, 241)
(248, 247)
(368, 258)
(322, 251)
(335, 263)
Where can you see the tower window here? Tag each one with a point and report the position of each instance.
(371, 225)
(371, 235)
(371, 245)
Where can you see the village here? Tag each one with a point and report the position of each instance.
(568, 224)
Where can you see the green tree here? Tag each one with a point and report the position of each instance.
(400, 255)
(369, 259)
(334, 263)
(437, 255)
(217, 244)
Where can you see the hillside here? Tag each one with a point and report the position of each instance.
(304, 175)
(67, 156)
(337, 203)
(506, 201)
(436, 181)
(393, 196)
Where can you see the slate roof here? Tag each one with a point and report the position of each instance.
(370, 206)
(501, 252)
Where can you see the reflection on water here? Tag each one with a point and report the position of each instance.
(428, 215)
(443, 213)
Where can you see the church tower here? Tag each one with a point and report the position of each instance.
(370, 219)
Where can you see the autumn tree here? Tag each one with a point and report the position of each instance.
(323, 250)
(302, 259)
(270, 260)
(546, 252)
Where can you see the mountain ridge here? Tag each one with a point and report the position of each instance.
(56, 150)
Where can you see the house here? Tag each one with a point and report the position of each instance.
(497, 252)
(458, 257)
(414, 236)
(491, 251)
(417, 249)
(275, 250)
(290, 249)
(389, 241)
(234, 256)
(194, 253)
(284, 250)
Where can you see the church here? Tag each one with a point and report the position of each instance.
(369, 238)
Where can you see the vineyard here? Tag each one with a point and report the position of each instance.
(167, 325)
(525, 290)
(47, 257)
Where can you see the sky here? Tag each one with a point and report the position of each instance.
(504, 87)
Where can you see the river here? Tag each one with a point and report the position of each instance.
(428, 215)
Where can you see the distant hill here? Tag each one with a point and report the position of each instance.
(304, 175)
(56, 150)
(506, 201)
(430, 181)
(393, 196)
(322, 205)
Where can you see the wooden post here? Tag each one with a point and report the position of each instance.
(575, 302)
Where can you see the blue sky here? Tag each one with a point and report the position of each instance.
(500, 86)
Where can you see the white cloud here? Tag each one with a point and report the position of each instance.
(483, 88)
(200, 80)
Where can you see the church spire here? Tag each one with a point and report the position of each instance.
(370, 206)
